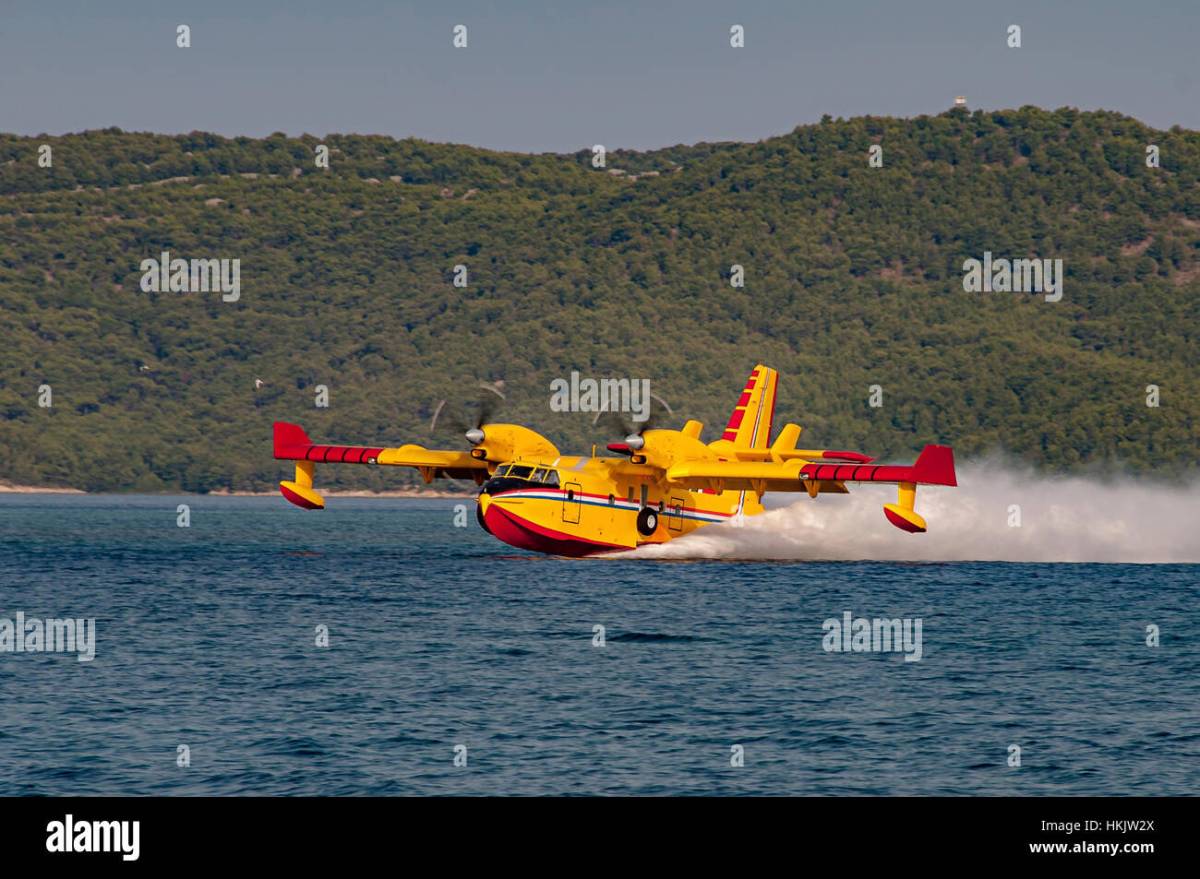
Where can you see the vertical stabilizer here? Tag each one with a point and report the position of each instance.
(750, 424)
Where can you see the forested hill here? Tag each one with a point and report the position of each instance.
(853, 277)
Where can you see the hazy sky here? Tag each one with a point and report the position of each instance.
(564, 75)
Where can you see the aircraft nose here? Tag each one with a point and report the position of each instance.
(485, 501)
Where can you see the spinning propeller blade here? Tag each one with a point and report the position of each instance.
(467, 419)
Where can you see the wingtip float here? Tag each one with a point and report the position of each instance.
(661, 484)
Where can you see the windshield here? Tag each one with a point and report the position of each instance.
(539, 475)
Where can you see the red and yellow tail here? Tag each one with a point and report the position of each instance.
(750, 424)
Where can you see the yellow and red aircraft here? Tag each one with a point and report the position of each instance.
(661, 484)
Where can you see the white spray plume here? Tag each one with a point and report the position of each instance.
(1062, 519)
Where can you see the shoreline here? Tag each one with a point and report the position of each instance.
(7, 488)
(341, 492)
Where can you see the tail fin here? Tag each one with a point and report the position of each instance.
(750, 424)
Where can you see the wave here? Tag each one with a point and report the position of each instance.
(998, 512)
(655, 637)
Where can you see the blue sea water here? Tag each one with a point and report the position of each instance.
(440, 636)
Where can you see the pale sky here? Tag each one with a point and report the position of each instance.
(560, 76)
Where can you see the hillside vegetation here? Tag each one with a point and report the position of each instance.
(853, 278)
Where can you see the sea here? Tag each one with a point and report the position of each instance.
(391, 647)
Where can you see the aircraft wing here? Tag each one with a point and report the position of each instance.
(291, 443)
(737, 475)
(934, 466)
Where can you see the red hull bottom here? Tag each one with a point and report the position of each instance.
(520, 533)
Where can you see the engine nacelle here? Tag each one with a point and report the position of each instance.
(509, 442)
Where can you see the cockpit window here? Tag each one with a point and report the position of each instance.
(538, 475)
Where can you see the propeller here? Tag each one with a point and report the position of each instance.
(632, 430)
(468, 419)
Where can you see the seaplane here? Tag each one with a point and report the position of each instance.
(656, 485)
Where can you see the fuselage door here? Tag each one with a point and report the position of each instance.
(675, 514)
(571, 503)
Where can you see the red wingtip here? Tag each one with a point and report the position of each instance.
(935, 466)
(290, 440)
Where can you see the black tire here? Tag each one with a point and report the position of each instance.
(647, 521)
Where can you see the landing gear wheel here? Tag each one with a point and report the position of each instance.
(479, 518)
(647, 521)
